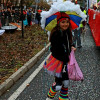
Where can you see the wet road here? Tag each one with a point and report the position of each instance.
(88, 58)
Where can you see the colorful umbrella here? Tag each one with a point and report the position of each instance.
(51, 21)
(49, 18)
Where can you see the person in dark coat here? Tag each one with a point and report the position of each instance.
(3, 17)
(38, 17)
(29, 17)
(8, 14)
(61, 46)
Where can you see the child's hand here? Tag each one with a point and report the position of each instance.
(73, 48)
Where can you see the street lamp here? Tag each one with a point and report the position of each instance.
(22, 18)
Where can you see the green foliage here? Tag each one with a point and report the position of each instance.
(98, 0)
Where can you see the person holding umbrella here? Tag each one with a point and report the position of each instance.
(61, 45)
(60, 22)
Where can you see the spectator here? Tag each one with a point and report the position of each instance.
(38, 17)
(77, 32)
(13, 15)
(29, 17)
(24, 14)
(61, 45)
(8, 14)
(17, 16)
(3, 17)
(24, 18)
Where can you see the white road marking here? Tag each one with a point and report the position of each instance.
(27, 81)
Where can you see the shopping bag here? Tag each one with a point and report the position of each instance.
(74, 71)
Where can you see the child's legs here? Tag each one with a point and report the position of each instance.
(64, 90)
(56, 86)
(63, 94)
(65, 83)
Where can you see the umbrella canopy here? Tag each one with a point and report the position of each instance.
(49, 18)
(52, 20)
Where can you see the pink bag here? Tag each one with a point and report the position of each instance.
(74, 71)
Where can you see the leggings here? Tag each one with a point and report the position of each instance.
(59, 82)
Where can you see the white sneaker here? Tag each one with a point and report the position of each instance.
(48, 99)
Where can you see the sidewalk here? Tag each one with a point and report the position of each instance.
(13, 78)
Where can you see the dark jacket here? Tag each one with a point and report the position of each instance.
(59, 46)
(38, 17)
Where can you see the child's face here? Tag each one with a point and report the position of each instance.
(64, 24)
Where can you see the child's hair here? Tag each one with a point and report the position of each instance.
(57, 28)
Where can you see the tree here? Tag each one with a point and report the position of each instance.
(43, 5)
(28, 3)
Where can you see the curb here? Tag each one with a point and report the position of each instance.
(14, 77)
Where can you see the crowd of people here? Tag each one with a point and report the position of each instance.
(7, 16)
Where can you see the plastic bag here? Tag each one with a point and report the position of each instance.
(74, 71)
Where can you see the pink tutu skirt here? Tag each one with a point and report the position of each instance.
(53, 66)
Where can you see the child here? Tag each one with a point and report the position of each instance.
(61, 45)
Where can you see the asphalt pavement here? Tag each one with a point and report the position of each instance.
(88, 58)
